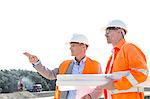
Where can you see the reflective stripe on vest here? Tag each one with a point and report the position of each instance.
(133, 89)
(129, 76)
(144, 71)
(131, 79)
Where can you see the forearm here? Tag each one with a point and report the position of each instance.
(98, 91)
(45, 72)
(132, 79)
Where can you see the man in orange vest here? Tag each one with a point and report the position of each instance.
(127, 64)
(81, 64)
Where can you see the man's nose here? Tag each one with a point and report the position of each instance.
(106, 34)
(70, 47)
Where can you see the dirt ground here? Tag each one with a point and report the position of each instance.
(25, 95)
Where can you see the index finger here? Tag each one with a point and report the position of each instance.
(27, 54)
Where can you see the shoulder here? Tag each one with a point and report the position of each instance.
(64, 65)
(92, 60)
(130, 47)
(66, 62)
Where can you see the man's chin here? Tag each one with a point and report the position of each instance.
(72, 54)
(108, 42)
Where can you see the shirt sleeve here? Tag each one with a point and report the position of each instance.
(100, 69)
(47, 73)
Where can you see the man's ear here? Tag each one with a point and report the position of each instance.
(123, 33)
(84, 47)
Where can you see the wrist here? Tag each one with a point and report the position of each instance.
(90, 96)
(37, 63)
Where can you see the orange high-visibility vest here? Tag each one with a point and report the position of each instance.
(91, 67)
(129, 59)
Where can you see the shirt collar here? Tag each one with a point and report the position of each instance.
(120, 43)
(82, 61)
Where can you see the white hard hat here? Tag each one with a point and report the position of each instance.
(117, 23)
(79, 38)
